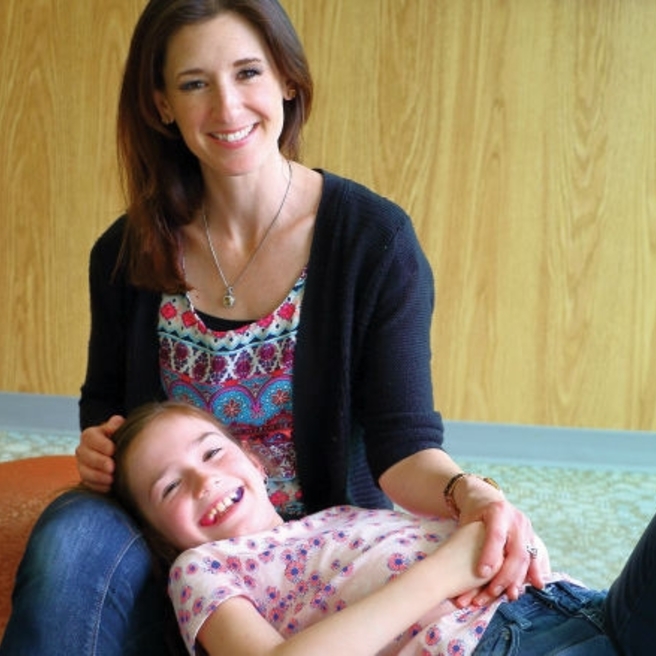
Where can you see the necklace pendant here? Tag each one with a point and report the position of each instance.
(228, 298)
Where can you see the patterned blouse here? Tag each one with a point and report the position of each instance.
(243, 376)
(301, 571)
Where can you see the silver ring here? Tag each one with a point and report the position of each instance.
(532, 551)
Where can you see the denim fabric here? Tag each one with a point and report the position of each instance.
(561, 619)
(85, 586)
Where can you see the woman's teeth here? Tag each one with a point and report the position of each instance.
(233, 136)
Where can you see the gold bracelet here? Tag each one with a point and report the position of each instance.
(450, 488)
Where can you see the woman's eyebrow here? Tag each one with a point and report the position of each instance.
(196, 70)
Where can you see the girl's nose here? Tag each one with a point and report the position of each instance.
(203, 484)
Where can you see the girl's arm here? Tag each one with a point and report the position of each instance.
(237, 629)
(508, 529)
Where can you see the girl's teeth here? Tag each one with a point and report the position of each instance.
(224, 504)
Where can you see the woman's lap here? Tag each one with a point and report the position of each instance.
(85, 585)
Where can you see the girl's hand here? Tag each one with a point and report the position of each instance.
(94, 455)
(508, 535)
(463, 549)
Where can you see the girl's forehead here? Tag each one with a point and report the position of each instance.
(181, 430)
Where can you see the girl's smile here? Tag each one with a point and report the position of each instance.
(194, 484)
(220, 508)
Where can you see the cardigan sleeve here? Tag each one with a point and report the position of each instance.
(102, 392)
(122, 366)
(363, 397)
(393, 390)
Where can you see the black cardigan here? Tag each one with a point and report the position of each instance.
(362, 391)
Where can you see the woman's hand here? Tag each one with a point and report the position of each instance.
(508, 532)
(509, 535)
(94, 455)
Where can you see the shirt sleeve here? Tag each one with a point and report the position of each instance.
(200, 581)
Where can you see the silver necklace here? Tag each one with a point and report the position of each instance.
(229, 298)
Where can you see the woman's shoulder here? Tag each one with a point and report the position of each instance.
(355, 222)
(355, 199)
(112, 237)
(105, 258)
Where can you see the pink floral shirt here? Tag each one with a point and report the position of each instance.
(306, 569)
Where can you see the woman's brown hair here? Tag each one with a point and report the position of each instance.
(161, 177)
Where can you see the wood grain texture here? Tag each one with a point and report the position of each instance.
(60, 67)
(518, 134)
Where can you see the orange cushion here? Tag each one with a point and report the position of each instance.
(26, 487)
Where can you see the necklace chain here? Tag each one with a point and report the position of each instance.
(229, 298)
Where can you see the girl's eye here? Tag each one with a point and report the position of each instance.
(169, 489)
(211, 453)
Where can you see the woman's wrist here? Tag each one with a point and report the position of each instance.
(459, 483)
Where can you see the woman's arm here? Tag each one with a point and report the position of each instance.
(508, 531)
(365, 627)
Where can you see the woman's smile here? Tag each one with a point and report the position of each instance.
(233, 137)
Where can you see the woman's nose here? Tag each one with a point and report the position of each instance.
(225, 101)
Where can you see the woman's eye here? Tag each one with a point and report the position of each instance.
(192, 85)
(249, 73)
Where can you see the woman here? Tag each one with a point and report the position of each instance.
(248, 583)
(293, 304)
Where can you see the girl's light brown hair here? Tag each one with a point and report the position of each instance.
(161, 177)
(134, 425)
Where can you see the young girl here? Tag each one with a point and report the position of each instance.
(249, 583)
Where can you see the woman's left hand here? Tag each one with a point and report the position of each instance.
(509, 538)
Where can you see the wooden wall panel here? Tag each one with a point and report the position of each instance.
(519, 134)
(59, 70)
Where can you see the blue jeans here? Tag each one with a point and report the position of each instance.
(561, 619)
(571, 621)
(86, 586)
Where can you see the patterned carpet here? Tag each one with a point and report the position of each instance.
(589, 518)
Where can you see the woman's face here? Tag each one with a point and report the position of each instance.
(225, 94)
(194, 484)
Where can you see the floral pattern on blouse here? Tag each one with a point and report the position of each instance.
(306, 569)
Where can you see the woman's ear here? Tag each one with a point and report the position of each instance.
(290, 92)
(163, 107)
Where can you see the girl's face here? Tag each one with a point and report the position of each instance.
(225, 94)
(194, 484)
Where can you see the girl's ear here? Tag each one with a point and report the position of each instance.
(163, 107)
